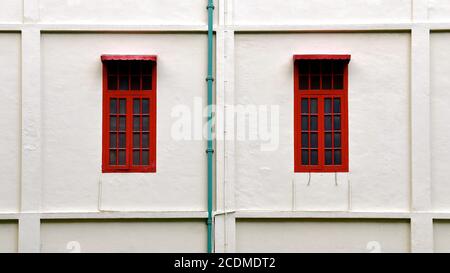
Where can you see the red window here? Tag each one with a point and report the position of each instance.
(129, 113)
(321, 113)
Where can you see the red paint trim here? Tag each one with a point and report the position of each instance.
(320, 95)
(129, 95)
(322, 57)
(129, 58)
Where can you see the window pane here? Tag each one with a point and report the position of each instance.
(315, 67)
(123, 67)
(122, 157)
(112, 140)
(136, 140)
(305, 123)
(305, 157)
(145, 123)
(314, 106)
(146, 83)
(123, 106)
(337, 122)
(328, 157)
(337, 140)
(124, 82)
(337, 106)
(135, 83)
(136, 158)
(326, 67)
(314, 140)
(122, 140)
(145, 109)
(145, 140)
(112, 83)
(314, 157)
(112, 68)
(112, 157)
(337, 157)
(328, 140)
(326, 82)
(136, 123)
(145, 158)
(339, 82)
(338, 68)
(304, 67)
(314, 123)
(304, 82)
(135, 67)
(305, 108)
(305, 143)
(328, 123)
(136, 106)
(122, 123)
(112, 123)
(327, 106)
(146, 67)
(113, 106)
(315, 82)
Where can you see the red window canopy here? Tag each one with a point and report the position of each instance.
(129, 58)
(342, 57)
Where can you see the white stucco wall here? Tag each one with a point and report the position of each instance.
(322, 236)
(11, 11)
(291, 12)
(439, 10)
(8, 236)
(442, 236)
(10, 122)
(378, 123)
(72, 112)
(124, 236)
(440, 110)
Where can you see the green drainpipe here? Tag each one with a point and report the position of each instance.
(210, 150)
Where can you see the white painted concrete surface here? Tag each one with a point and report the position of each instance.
(8, 236)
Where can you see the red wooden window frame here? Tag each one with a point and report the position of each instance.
(129, 96)
(319, 95)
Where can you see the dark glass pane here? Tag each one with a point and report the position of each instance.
(337, 106)
(314, 123)
(305, 108)
(124, 83)
(122, 157)
(112, 140)
(135, 67)
(314, 106)
(135, 83)
(305, 157)
(122, 140)
(326, 67)
(328, 157)
(145, 158)
(314, 157)
(304, 67)
(112, 123)
(123, 67)
(328, 123)
(112, 83)
(146, 67)
(314, 140)
(136, 158)
(315, 82)
(145, 123)
(338, 68)
(123, 106)
(328, 140)
(305, 143)
(337, 157)
(337, 122)
(112, 68)
(112, 157)
(315, 67)
(304, 123)
(145, 140)
(304, 82)
(326, 82)
(136, 140)
(146, 83)
(339, 82)
(145, 109)
(113, 106)
(327, 106)
(337, 140)
(136, 106)
(136, 123)
(122, 123)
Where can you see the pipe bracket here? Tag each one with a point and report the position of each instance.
(209, 151)
(210, 78)
(211, 6)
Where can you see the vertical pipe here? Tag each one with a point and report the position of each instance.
(210, 150)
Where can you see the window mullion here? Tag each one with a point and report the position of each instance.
(129, 130)
(321, 135)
